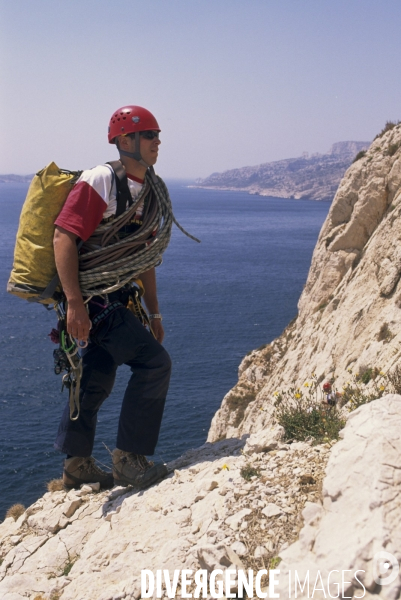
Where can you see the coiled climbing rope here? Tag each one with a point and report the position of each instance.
(108, 262)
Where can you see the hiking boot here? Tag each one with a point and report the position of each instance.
(136, 470)
(79, 470)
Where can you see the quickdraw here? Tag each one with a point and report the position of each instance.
(135, 306)
(67, 358)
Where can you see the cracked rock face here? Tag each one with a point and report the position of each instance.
(353, 290)
(319, 508)
(204, 515)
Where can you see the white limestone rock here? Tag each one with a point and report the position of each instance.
(264, 440)
(361, 512)
(272, 510)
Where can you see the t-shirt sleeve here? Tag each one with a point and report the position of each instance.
(86, 203)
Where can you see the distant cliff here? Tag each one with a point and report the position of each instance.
(314, 177)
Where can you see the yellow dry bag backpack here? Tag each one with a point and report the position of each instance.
(34, 274)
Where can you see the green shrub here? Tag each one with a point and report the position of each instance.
(360, 155)
(248, 471)
(385, 334)
(392, 149)
(367, 385)
(388, 127)
(302, 422)
(304, 415)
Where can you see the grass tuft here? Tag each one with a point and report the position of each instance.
(15, 511)
(55, 485)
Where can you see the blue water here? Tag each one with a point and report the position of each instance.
(220, 299)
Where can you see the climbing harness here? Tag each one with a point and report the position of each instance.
(67, 357)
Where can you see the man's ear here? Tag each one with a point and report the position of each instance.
(122, 142)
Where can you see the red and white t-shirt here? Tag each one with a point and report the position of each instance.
(93, 198)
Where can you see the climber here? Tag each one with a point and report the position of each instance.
(117, 336)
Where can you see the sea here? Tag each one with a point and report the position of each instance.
(220, 299)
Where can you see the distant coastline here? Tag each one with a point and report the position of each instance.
(16, 178)
(265, 193)
(314, 177)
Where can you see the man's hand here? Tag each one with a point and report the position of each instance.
(150, 297)
(66, 256)
(157, 329)
(78, 323)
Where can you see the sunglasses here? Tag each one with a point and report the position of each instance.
(149, 135)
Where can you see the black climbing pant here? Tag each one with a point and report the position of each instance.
(120, 339)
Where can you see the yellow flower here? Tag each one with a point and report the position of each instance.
(275, 393)
(225, 467)
(382, 388)
(306, 384)
(381, 373)
(297, 396)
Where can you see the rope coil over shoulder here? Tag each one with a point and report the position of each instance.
(108, 262)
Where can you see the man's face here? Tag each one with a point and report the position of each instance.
(149, 148)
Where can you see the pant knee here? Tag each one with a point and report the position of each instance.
(161, 362)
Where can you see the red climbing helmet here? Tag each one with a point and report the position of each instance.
(130, 119)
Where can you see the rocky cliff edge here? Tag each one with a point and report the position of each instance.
(235, 504)
(350, 309)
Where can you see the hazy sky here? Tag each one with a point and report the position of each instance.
(231, 82)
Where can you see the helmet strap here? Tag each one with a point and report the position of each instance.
(137, 154)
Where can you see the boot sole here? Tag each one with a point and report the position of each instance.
(124, 481)
(70, 482)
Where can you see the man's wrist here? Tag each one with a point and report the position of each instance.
(155, 316)
(74, 300)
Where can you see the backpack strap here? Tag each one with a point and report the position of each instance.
(123, 197)
(123, 191)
